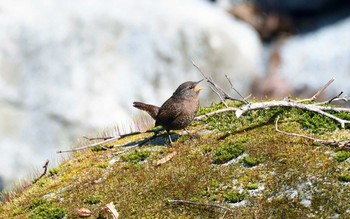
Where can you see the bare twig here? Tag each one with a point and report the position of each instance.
(215, 112)
(336, 98)
(323, 88)
(345, 144)
(44, 173)
(219, 95)
(97, 138)
(293, 134)
(112, 139)
(309, 107)
(200, 204)
(90, 145)
(229, 81)
(216, 88)
(283, 103)
(314, 97)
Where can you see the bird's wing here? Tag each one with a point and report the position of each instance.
(168, 116)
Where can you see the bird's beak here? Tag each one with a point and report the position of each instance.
(199, 81)
(197, 89)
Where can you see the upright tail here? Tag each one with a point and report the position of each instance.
(150, 109)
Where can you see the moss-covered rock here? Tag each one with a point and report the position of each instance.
(296, 178)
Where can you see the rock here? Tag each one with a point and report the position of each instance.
(70, 69)
(311, 60)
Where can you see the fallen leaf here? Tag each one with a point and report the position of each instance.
(166, 158)
(112, 210)
(83, 212)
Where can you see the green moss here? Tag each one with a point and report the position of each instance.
(136, 156)
(311, 121)
(43, 209)
(316, 122)
(344, 177)
(207, 149)
(341, 156)
(93, 199)
(234, 196)
(252, 161)
(53, 171)
(38, 202)
(142, 189)
(252, 186)
(97, 148)
(228, 151)
(103, 165)
(214, 183)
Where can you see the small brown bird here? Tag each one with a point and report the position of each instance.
(178, 111)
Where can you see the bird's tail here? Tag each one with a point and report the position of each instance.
(150, 109)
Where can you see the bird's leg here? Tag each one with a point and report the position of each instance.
(169, 136)
(188, 132)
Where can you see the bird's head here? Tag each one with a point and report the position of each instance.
(188, 89)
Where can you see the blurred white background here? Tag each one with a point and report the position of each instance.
(73, 68)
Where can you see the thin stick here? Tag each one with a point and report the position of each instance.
(336, 98)
(344, 144)
(218, 89)
(329, 101)
(220, 96)
(89, 146)
(97, 138)
(314, 97)
(109, 140)
(293, 134)
(197, 118)
(323, 88)
(200, 204)
(229, 81)
(44, 173)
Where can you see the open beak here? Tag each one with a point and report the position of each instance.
(197, 89)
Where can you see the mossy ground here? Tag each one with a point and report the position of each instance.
(275, 176)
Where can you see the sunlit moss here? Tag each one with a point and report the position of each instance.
(43, 209)
(226, 152)
(136, 156)
(234, 196)
(292, 170)
(341, 156)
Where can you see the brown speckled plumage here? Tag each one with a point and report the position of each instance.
(178, 111)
